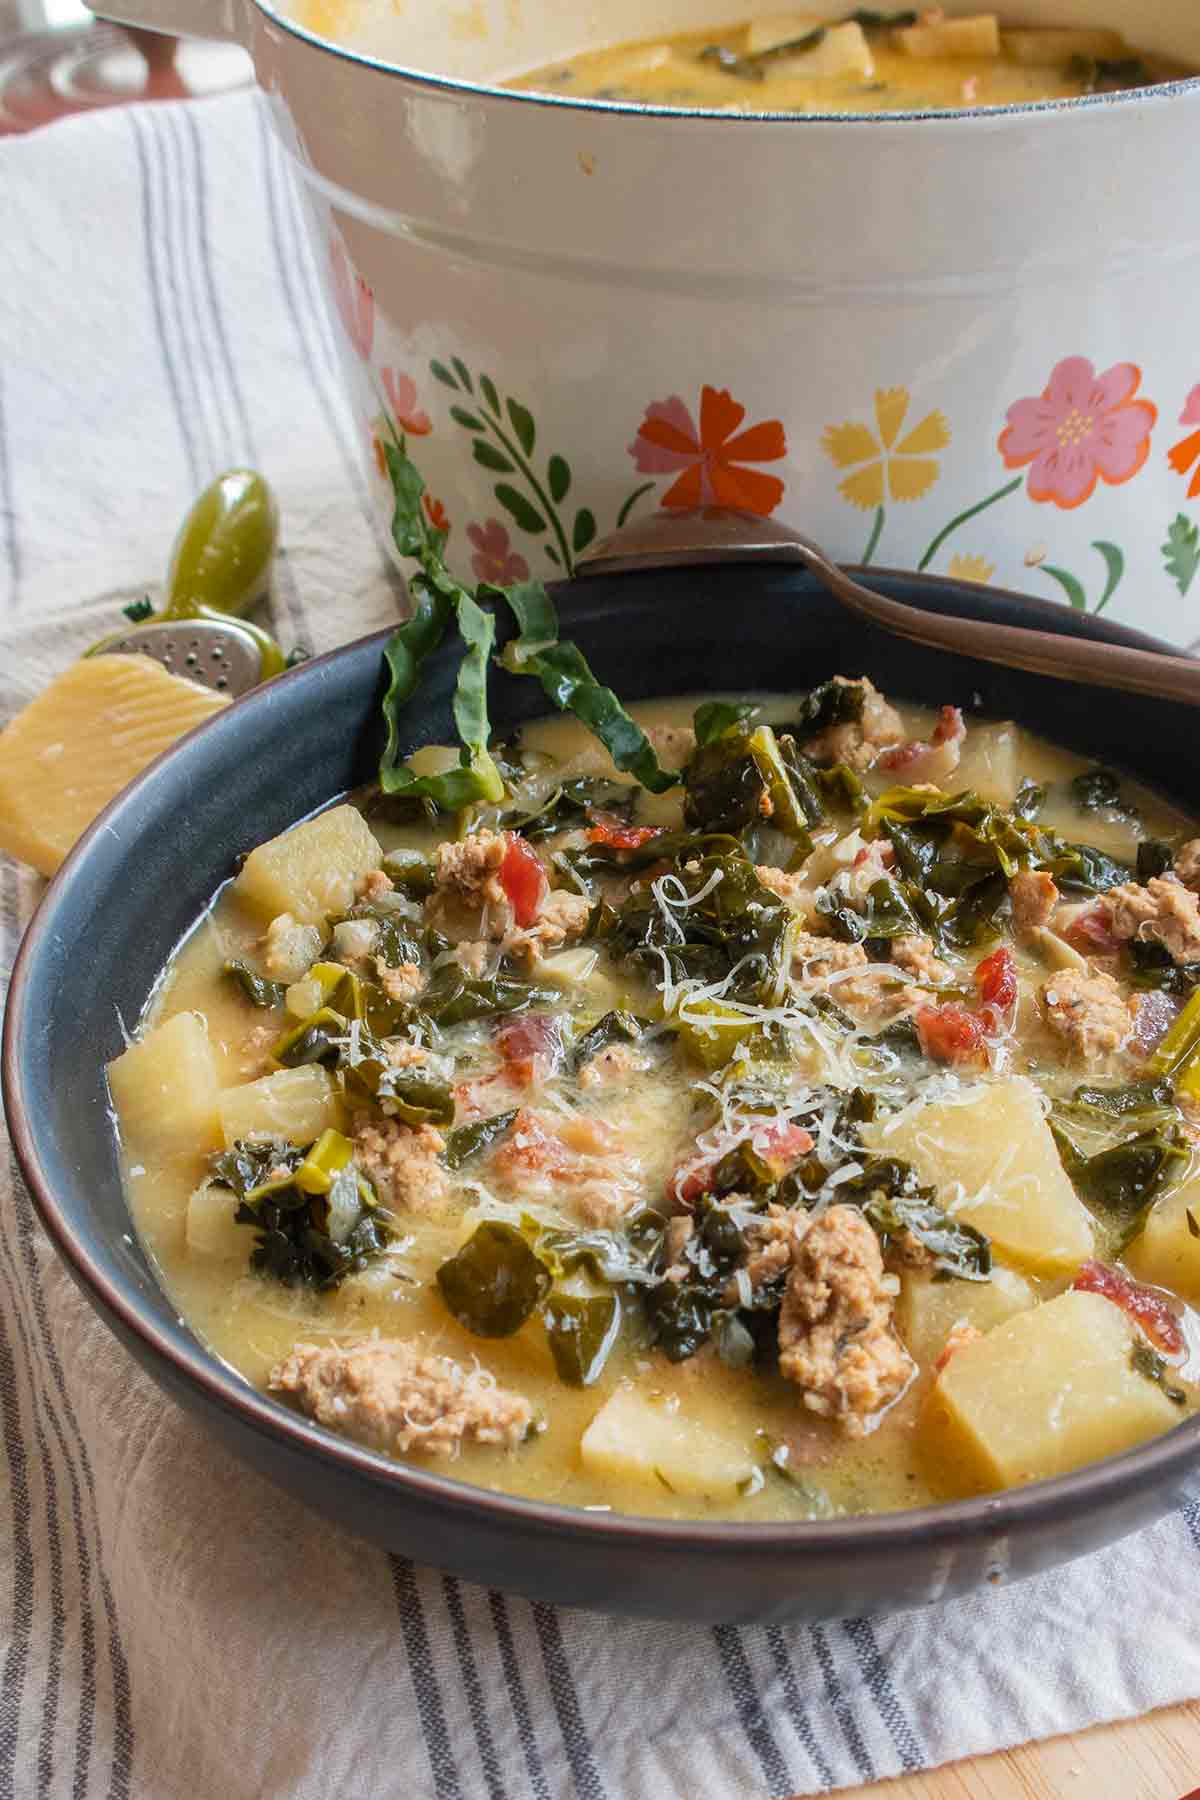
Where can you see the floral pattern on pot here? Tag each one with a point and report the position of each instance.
(709, 459)
(1082, 428)
(970, 568)
(494, 558)
(354, 300)
(401, 391)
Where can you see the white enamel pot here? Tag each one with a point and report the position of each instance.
(962, 342)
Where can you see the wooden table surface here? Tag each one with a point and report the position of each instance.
(1153, 1758)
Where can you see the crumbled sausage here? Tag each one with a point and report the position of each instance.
(836, 1340)
(1187, 864)
(676, 1238)
(913, 952)
(386, 1394)
(876, 995)
(562, 915)
(792, 888)
(374, 885)
(1164, 912)
(768, 1251)
(402, 1161)
(614, 1064)
(578, 1163)
(1033, 896)
(1088, 1013)
(475, 958)
(290, 949)
(859, 742)
(468, 900)
(403, 1055)
(401, 982)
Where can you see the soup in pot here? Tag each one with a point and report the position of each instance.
(816, 1136)
(862, 62)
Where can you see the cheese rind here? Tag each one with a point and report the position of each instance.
(81, 741)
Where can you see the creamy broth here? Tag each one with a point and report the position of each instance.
(772, 1456)
(812, 62)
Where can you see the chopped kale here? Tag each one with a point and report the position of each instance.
(472, 1140)
(257, 989)
(581, 1332)
(493, 1284)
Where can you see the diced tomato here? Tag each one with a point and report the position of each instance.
(884, 852)
(616, 835)
(950, 1034)
(950, 728)
(777, 1141)
(1090, 933)
(531, 1047)
(1144, 1304)
(523, 879)
(996, 980)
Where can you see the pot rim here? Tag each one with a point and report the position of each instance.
(1162, 1461)
(1155, 93)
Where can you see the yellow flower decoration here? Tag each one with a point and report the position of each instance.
(899, 470)
(971, 568)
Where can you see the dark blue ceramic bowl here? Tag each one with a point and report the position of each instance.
(138, 880)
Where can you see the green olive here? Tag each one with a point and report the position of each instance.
(221, 559)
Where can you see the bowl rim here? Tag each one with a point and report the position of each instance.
(1158, 1461)
(1154, 92)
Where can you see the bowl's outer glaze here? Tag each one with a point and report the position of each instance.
(958, 342)
(145, 872)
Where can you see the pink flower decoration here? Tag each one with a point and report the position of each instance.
(401, 391)
(355, 301)
(1191, 410)
(708, 458)
(1082, 429)
(495, 560)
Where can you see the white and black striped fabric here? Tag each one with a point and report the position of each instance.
(170, 1626)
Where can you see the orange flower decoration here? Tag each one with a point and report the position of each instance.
(436, 513)
(708, 460)
(1185, 454)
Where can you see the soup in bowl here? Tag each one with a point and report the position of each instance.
(264, 1359)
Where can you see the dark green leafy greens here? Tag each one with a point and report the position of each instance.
(302, 1239)
(440, 601)
(495, 1282)
(581, 1331)
(1119, 1182)
(472, 1140)
(257, 988)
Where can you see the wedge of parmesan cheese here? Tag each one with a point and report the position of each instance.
(80, 742)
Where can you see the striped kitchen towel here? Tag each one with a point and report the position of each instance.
(170, 1626)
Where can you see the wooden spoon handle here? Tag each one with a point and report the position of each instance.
(677, 540)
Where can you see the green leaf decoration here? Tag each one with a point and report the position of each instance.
(518, 507)
(552, 553)
(461, 416)
(487, 388)
(1114, 558)
(1181, 552)
(632, 502)
(585, 530)
(523, 425)
(1070, 586)
(558, 473)
(487, 454)
(460, 369)
(441, 373)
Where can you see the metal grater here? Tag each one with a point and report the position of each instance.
(215, 655)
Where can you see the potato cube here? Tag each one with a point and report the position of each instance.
(1045, 1392)
(994, 1164)
(843, 50)
(210, 1229)
(989, 763)
(928, 1310)
(1050, 48)
(780, 28)
(294, 1104)
(966, 38)
(312, 870)
(1167, 1250)
(637, 1436)
(164, 1088)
